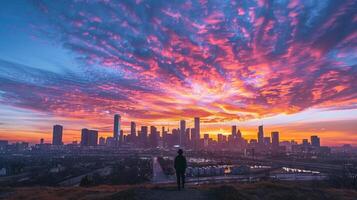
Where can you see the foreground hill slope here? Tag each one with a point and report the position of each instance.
(255, 191)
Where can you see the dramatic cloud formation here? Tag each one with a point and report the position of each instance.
(165, 60)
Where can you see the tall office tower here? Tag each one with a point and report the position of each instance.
(197, 129)
(187, 137)
(132, 131)
(175, 136)
(89, 137)
(261, 135)
(154, 140)
(93, 138)
(275, 139)
(57, 135)
(193, 138)
(121, 137)
(85, 137)
(315, 141)
(116, 131)
(42, 141)
(144, 135)
(182, 132)
(234, 131)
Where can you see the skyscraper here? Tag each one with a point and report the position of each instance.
(197, 129)
(85, 137)
(57, 135)
(116, 131)
(89, 137)
(315, 141)
(260, 135)
(234, 131)
(144, 135)
(154, 139)
(121, 137)
(182, 132)
(133, 130)
(275, 139)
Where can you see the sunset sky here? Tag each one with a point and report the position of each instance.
(290, 65)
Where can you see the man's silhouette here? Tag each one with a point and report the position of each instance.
(180, 167)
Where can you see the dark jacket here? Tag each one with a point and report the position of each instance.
(180, 163)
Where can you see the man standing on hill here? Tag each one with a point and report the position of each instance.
(180, 167)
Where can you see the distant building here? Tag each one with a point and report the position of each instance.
(110, 141)
(57, 135)
(144, 135)
(305, 142)
(315, 141)
(133, 131)
(275, 139)
(197, 131)
(260, 134)
(117, 129)
(89, 137)
(102, 141)
(42, 141)
(182, 132)
(234, 131)
(205, 140)
(187, 137)
(239, 134)
(266, 141)
(220, 139)
(154, 139)
(194, 141)
(121, 137)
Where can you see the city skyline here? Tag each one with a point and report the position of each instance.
(186, 136)
(289, 65)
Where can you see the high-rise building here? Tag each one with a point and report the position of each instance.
(144, 135)
(175, 137)
(197, 129)
(116, 130)
(315, 141)
(93, 138)
(187, 137)
(182, 132)
(193, 138)
(275, 139)
(85, 137)
(89, 137)
(57, 135)
(42, 141)
(133, 130)
(154, 139)
(121, 137)
(260, 135)
(234, 131)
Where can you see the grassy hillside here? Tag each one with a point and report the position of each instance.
(255, 191)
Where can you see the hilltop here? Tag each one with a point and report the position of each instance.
(256, 191)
